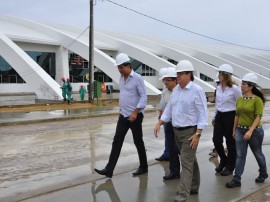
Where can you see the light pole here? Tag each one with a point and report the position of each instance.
(91, 51)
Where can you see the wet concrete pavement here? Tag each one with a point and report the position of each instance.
(58, 158)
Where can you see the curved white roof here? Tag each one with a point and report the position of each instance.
(151, 51)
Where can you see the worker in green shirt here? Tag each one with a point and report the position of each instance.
(82, 92)
(69, 90)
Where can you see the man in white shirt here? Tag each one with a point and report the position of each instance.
(170, 82)
(187, 108)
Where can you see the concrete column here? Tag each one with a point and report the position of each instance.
(62, 65)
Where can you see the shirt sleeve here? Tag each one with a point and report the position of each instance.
(142, 93)
(258, 107)
(237, 92)
(216, 94)
(237, 106)
(162, 104)
(167, 113)
(201, 105)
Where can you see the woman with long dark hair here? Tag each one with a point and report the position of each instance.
(248, 129)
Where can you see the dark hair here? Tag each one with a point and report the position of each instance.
(126, 64)
(256, 91)
(191, 76)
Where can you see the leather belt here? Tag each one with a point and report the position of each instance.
(233, 111)
(184, 128)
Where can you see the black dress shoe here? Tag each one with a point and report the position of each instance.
(226, 172)
(219, 168)
(193, 192)
(140, 171)
(171, 177)
(261, 178)
(233, 183)
(104, 172)
(162, 158)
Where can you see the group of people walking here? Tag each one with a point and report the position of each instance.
(184, 114)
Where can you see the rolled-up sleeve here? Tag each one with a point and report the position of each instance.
(142, 93)
(201, 105)
(162, 104)
(167, 113)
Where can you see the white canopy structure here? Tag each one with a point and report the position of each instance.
(17, 36)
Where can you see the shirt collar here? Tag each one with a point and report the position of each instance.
(188, 86)
(131, 74)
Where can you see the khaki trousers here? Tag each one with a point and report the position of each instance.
(190, 173)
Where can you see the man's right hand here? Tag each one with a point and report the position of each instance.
(156, 130)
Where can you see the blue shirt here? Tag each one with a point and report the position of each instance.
(187, 107)
(132, 94)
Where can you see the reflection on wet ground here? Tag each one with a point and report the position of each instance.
(44, 157)
(54, 114)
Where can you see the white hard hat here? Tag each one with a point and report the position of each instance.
(250, 77)
(171, 72)
(226, 69)
(184, 66)
(121, 58)
(216, 78)
(162, 73)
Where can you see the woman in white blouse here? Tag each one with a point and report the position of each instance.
(226, 95)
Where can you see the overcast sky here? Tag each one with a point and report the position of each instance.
(244, 22)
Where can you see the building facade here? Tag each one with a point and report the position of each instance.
(34, 57)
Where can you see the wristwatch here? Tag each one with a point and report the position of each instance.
(198, 134)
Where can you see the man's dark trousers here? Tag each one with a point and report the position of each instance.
(174, 151)
(122, 127)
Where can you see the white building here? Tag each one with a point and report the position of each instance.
(34, 57)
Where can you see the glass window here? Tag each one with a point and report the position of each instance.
(7, 73)
(46, 60)
(79, 71)
(205, 78)
(148, 71)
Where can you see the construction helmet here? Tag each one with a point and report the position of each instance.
(184, 66)
(63, 79)
(121, 58)
(250, 78)
(225, 69)
(216, 78)
(170, 72)
(68, 79)
(162, 73)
